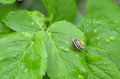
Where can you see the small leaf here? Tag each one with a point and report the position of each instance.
(64, 62)
(25, 21)
(61, 9)
(101, 68)
(7, 1)
(22, 56)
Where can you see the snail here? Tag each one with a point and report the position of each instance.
(78, 44)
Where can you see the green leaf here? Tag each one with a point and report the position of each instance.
(22, 56)
(98, 6)
(7, 1)
(34, 6)
(101, 27)
(4, 9)
(101, 68)
(25, 21)
(102, 30)
(61, 9)
(3, 28)
(103, 38)
(99, 10)
(64, 62)
(78, 19)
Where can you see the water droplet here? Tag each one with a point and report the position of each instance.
(25, 70)
(111, 37)
(80, 77)
(107, 40)
(63, 48)
(28, 34)
(49, 34)
(1, 58)
(32, 23)
(67, 42)
(105, 63)
(95, 30)
(77, 55)
(98, 38)
(66, 49)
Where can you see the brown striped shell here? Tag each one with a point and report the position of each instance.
(78, 44)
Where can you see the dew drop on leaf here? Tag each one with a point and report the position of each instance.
(61, 47)
(77, 55)
(95, 31)
(97, 38)
(80, 77)
(32, 23)
(25, 70)
(1, 58)
(111, 37)
(27, 34)
(64, 49)
(49, 34)
(107, 40)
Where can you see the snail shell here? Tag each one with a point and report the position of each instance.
(78, 44)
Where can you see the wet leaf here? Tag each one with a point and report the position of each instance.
(101, 68)
(103, 39)
(22, 56)
(64, 62)
(25, 21)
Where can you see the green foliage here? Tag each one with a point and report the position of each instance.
(61, 9)
(103, 30)
(22, 56)
(25, 21)
(4, 29)
(33, 46)
(104, 10)
(103, 39)
(101, 68)
(61, 54)
(7, 1)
